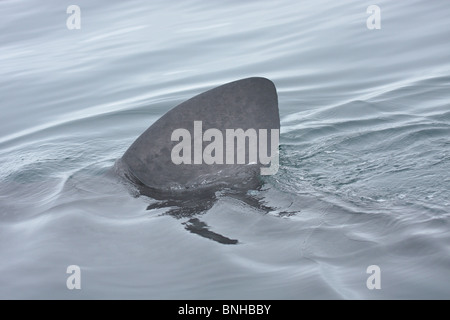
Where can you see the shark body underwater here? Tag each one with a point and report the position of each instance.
(189, 186)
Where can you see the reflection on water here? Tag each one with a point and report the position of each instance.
(196, 226)
(365, 156)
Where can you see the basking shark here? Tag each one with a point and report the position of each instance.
(194, 150)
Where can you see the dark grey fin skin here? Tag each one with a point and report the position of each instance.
(190, 189)
(245, 104)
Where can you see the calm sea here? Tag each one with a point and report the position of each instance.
(365, 149)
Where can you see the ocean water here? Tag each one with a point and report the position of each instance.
(365, 150)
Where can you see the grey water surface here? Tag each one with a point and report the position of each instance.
(365, 150)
